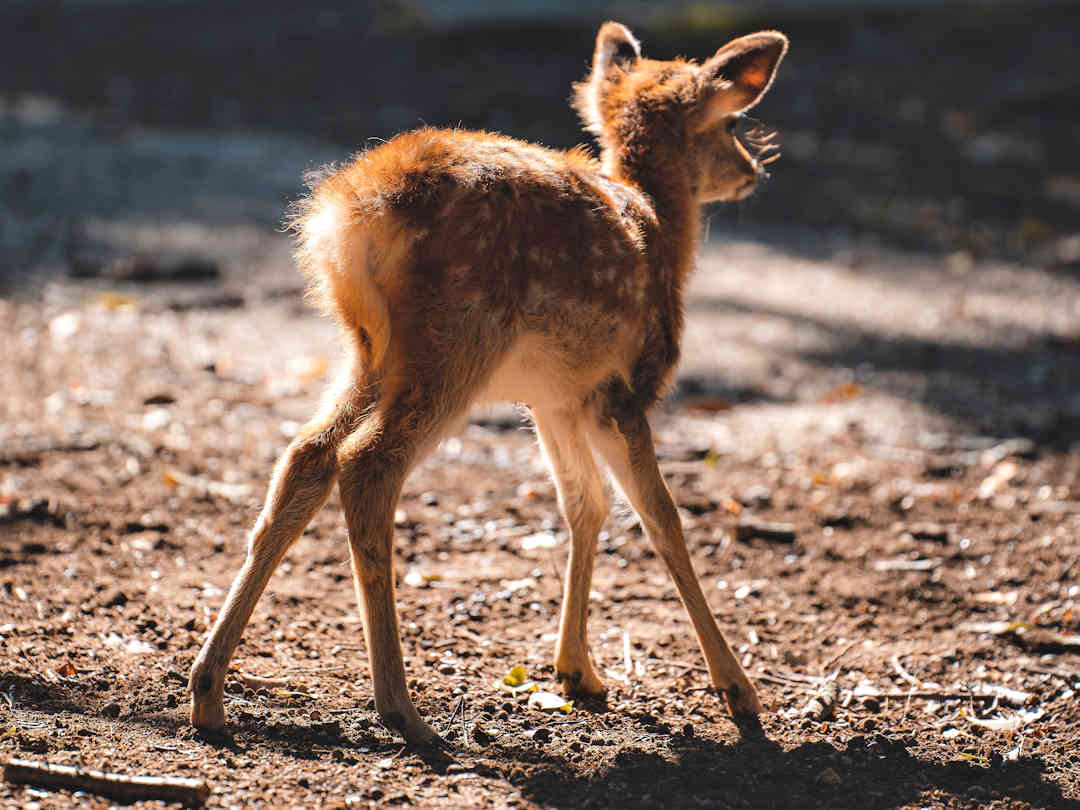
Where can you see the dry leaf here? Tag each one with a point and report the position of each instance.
(550, 702)
(841, 393)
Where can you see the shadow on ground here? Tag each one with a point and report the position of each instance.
(653, 764)
(1030, 388)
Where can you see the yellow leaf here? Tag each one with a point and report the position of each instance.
(516, 676)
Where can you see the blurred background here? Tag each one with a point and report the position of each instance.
(949, 127)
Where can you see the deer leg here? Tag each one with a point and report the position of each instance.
(374, 463)
(300, 485)
(373, 470)
(625, 443)
(581, 499)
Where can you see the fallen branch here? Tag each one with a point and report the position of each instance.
(189, 792)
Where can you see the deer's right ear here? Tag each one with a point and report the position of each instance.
(738, 75)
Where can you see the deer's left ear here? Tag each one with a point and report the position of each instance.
(615, 47)
(737, 75)
(617, 50)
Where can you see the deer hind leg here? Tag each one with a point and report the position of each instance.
(300, 485)
(625, 443)
(582, 501)
(374, 463)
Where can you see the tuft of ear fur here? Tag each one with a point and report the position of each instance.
(739, 74)
(616, 50)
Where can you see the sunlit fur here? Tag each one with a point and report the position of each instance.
(465, 266)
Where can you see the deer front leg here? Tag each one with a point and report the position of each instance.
(626, 445)
(581, 499)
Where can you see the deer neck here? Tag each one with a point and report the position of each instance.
(666, 180)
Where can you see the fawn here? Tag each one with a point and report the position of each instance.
(465, 267)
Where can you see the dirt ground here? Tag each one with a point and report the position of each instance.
(930, 575)
(874, 438)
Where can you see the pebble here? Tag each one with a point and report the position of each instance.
(750, 527)
(111, 709)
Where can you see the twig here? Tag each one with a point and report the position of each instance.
(773, 679)
(903, 673)
(829, 664)
(682, 666)
(345, 711)
(315, 670)
(795, 677)
(916, 694)
(907, 701)
(259, 682)
(189, 792)
(458, 709)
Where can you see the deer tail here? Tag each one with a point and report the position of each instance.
(339, 252)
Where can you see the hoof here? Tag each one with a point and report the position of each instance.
(208, 715)
(207, 703)
(412, 727)
(742, 700)
(580, 683)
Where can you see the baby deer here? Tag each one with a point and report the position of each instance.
(467, 267)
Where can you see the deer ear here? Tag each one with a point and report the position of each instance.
(616, 51)
(616, 47)
(737, 75)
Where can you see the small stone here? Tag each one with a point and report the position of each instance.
(929, 531)
(755, 496)
(111, 709)
(481, 735)
(541, 735)
(114, 599)
(750, 527)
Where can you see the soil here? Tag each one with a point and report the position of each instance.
(876, 454)
(932, 549)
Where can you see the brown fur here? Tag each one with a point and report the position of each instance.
(465, 266)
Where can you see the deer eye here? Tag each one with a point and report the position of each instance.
(729, 125)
